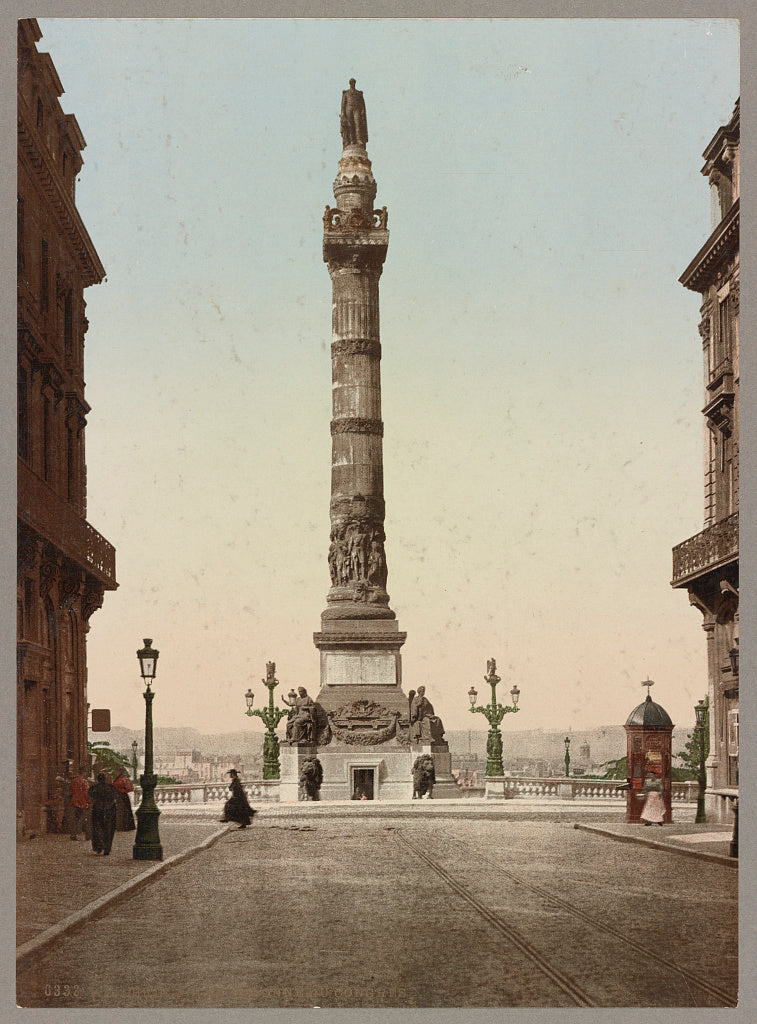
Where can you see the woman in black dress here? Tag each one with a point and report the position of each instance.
(237, 808)
(103, 796)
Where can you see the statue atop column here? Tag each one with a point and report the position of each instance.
(352, 120)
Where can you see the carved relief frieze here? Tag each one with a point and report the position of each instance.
(70, 586)
(355, 219)
(357, 425)
(364, 723)
(49, 572)
(356, 347)
(356, 557)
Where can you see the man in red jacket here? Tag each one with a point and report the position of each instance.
(79, 802)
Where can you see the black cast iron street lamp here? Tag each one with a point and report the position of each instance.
(147, 842)
(701, 712)
(271, 717)
(567, 757)
(494, 713)
(134, 766)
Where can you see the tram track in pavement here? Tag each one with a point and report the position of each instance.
(564, 982)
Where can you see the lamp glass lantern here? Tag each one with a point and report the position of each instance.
(250, 699)
(733, 654)
(148, 662)
(515, 695)
(701, 711)
(472, 696)
(567, 743)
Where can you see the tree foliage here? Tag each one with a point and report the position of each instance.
(617, 769)
(107, 758)
(695, 752)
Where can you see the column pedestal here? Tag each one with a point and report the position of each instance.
(292, 759)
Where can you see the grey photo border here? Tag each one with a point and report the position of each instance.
(746, 14)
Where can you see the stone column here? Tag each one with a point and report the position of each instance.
(359, 642)
(354, 247)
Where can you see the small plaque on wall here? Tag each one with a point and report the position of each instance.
(100, 720)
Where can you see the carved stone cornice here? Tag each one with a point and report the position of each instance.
(357, 425)
(722, 245)
(61, 203)
(356, 347)
(360, 640)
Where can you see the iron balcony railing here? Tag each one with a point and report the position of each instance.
(58, 522)
(713, 547)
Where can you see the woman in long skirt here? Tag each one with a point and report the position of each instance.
(124, 814)
(237, 808)
(103, 796)
(653, 811)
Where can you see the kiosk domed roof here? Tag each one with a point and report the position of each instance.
(650, 715)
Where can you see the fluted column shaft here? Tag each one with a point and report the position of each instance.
(354, 248)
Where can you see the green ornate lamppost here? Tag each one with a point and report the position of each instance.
(567, 757)
(271, 717)
(147, 842)
(701, 712)
(494, 713)
(134, 766)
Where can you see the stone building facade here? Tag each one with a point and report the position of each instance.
(707, 565)
(64, 565)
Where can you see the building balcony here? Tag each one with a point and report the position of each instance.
(720, 397)
(60, 524)
(716, 546)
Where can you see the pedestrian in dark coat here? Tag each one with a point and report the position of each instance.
(103, 796)
(237, 808)
(124, 815)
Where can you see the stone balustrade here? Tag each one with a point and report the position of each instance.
(267, 791)
(262, 791)
(585, 789)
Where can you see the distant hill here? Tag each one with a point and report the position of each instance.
(168, 740)
(606, 742)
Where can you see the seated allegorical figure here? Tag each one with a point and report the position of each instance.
(307, 721)
(425, 726)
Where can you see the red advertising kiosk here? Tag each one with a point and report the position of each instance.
(649, 737)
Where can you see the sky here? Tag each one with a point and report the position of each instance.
(541, 365)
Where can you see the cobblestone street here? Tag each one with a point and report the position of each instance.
(437, 911)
